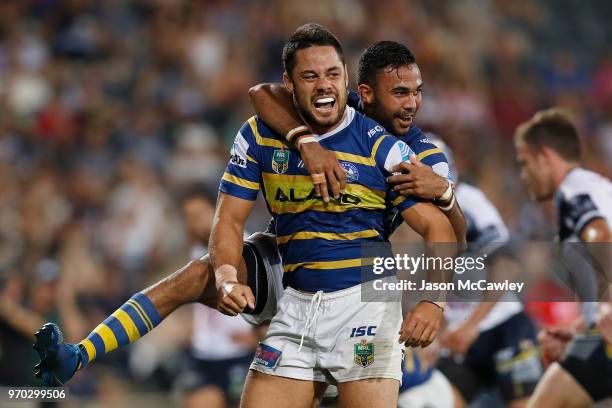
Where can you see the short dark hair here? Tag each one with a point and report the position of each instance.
(552, 128)
(382, 54)
(308, 35)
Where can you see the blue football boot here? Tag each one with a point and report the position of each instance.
(58, 360)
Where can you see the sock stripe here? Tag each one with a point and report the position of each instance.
(141, 313)
(120, 333)
(128, 324)
(135, 317)
(90, 351)
(108, 337)
(97, 342)
(148, 307)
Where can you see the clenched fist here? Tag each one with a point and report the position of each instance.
(234, 297)
(421, 325)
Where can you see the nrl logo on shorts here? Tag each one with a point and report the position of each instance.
(280, 161)
(364, 353)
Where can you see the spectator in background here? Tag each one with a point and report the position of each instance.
(222, 346)
(197, 158)
(19, 321)
(16, 324)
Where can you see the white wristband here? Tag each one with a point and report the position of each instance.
(447, 194)
(449, 206)
(305, 139)
(294, 131)
(226, 273)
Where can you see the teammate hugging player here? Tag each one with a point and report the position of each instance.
(390, 84)
(309, 339)
(548, 152)
(193, 282)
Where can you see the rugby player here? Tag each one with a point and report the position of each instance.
(548, 152)
(391, 83)
(390, 92)
(322, 331)
(195, 282)
(493, 339)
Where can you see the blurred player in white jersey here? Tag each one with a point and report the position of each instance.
(485, 342)
(549, 155)
(221, 347)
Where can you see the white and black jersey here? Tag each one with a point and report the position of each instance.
(485, 226)
(582, 197)
(487, 231)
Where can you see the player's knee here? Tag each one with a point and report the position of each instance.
(518, 403)
(197, 273)
(199, 270)
(186, 284)
(209, 396)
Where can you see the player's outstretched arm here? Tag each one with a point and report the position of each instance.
(274, 105)
(421, 325)
(226, 253)
(419, 180)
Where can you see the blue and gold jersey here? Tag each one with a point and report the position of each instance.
(320, 243)
(426, 151)
(429, 154)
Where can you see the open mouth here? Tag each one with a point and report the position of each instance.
(324, 105)
(406, 120)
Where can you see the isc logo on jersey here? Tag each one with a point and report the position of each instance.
(376, 129)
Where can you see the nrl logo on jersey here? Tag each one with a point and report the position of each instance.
(280, 161)
(364, 353)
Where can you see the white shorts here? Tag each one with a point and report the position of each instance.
(346, 339)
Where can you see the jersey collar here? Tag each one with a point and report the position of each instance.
(347, 118)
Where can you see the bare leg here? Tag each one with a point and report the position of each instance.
(209, 397)
(458, 400)
(558, 389)
(195, 282)
(268, 391)
(135, 318)
(518, 403)
(370, 393)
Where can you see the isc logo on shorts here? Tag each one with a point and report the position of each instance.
(363, 331)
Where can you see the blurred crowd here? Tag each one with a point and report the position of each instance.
(110, 110)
